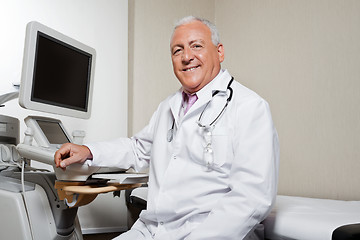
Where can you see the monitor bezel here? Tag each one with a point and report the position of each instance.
(26, 85)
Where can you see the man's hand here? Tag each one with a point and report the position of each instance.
(70, 153)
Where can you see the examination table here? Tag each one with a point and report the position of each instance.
(312, 218)
(292, 217)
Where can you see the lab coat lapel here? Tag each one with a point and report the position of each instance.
(175, 104)
(203, 99)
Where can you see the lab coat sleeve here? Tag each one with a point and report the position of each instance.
(125, 153)
(252, 178)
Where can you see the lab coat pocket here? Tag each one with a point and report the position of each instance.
(219, 144)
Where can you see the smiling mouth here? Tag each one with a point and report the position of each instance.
(190, 69)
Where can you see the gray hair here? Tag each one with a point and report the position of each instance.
(215, 37)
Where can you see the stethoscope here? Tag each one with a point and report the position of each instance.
(207, 129)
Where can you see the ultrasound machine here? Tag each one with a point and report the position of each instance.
(57, 77)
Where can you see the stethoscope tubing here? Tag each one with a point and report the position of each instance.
(223, 109)
(170, 134)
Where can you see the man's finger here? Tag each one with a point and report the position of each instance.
(60, 155)
(68, 161)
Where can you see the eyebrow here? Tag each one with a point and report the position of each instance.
(191, 42)
(197, 40)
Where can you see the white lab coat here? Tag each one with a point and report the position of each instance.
(185, 201)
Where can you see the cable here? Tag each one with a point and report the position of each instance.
(23, 194)
(9, 157)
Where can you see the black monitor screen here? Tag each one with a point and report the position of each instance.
(53, 132)
(61, 74)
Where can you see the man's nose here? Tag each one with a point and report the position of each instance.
(187, 56)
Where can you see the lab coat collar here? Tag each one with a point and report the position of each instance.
(219, 83)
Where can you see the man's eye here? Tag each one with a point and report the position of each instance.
(196, 46)
(176, 51)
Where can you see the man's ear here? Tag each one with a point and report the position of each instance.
(221, 52)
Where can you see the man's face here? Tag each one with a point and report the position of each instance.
(196, 60)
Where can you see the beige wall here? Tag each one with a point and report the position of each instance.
(302, 56)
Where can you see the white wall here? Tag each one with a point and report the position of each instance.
(101, 25)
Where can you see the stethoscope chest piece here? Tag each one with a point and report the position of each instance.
(170, 135)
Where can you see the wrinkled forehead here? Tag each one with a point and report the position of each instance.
(190, 32)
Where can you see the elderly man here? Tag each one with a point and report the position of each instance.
(211, 149)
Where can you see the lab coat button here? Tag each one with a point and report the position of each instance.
(161, 223)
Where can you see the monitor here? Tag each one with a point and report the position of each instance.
(47, 132)
(57, 73)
